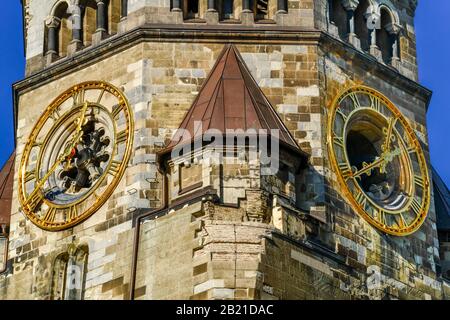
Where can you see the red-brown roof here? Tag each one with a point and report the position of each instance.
(231, 99)
(6, 190)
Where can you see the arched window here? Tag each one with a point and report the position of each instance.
(361, 29)
(385, 38)
(338, 16)
(69, 274)
(58, 34)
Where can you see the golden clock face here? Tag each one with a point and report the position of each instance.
(379, 162)
(75, 155)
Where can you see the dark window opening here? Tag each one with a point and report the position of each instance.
(261, 9)
(191, 9)
(227, 9)
(361, 29)
(338, 17)
(385, 40)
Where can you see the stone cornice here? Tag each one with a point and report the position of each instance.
(207, 34)
(167, 33)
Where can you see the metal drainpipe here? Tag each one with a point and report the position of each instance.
(138, 231)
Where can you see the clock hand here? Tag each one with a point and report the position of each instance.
(65, 155)
(44, 178)
(388, 132)
(389, 156)
(78, 132)
(369, 167)
(82, 116)
(385, 158)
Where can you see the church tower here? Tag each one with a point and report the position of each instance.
(221, 149)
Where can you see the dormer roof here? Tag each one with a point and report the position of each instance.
(230, 99)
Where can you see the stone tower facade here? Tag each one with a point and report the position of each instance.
(181, 229)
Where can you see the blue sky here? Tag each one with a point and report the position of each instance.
(433, 39)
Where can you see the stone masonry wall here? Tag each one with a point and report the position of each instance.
(410, 261)
(161, 81)
(213, 256)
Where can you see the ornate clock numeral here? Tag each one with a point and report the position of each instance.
(375, 103)
(114, 167)
(416, 206)
(36, 144)
(401, 221)
(29, 176)
(339, 141)
(122, 136)
(342, 114)
(50, 215)
(345, 170)
(78, 97)
(411, 149)
(34, 200)
(355, 100)
(418, 180)
(116, 110)
(361, 199)
(73, 212)
(54, 114)
(381, 214)
(100, 97)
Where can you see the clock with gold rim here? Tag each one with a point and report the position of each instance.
(379, 162)
(75, 155)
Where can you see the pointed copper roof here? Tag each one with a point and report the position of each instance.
(231, 99)
(6, 190)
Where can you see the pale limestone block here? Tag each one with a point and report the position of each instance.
(224, 293)
(309, 261)
(213, 283)
(311, 91)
